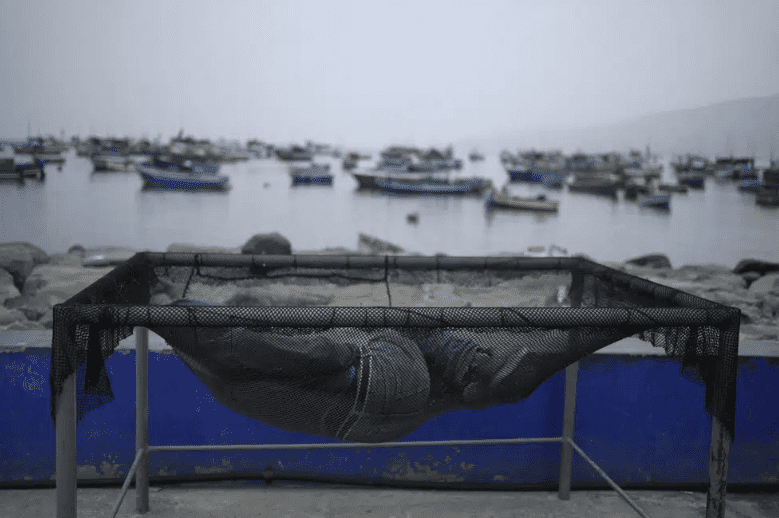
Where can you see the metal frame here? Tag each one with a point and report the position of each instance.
(66, 444)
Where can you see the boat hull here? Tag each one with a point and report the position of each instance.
(110, 163)
(311, 179)
(514, 202)
(660, 201)
(695, 181)
(398, 186)
(178, 180)
(767, 197)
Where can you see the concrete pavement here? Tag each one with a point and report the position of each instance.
(296, 500)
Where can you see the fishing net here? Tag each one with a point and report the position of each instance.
(367, 348)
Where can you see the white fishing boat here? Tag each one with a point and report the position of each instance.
(539, 203)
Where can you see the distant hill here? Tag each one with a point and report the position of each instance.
(742, 127)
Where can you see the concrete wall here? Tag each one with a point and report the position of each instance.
(636, 416)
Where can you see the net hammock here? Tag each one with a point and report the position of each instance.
(367, 349)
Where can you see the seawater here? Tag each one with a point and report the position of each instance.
(76, 205)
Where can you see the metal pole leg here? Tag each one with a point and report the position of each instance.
(569, 415)
(66, 449)
(718, 470)
(142, 418)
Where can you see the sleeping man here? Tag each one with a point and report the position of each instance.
(374, 385)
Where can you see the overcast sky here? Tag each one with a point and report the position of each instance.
(370, 72)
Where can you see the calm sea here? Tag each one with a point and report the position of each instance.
(717, 225)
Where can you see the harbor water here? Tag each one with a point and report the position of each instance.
(75, 205)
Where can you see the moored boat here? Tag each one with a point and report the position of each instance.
(403, 186)
(182, 163)
(313, 174)
(159, 178)
(692, 179)
(294, 154)
(351, 160)
(540, 203)
(771, 178)
(767, 197)
(692, 164)
(595, 185)
(634, 187)
(10, 170)
(112, 162)
(660, 200)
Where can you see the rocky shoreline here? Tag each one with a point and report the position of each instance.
(32, 281)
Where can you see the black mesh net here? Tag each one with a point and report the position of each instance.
(367, 348)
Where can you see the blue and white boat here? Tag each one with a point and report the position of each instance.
(313, 174)
(172, 179)
(183, 164)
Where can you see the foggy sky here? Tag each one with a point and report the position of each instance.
(371, 73)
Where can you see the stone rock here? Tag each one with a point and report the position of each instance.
(61, 281)
(759, 332)
(755, 265)
(282, 295)
(750, 277)
(68, 259)
(77, 250)
(768, 283)
(181, 248)
(47, 319)
(33, 306)
(19, 259)
(9, 316)
(107, 257)
(769, 307)
(651, 260)
(710, 277)
(7, 287)
(24, 325)
(267, 244)
(374, 246)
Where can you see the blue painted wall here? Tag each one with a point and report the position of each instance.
(636, 416)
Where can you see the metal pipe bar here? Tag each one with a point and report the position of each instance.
(609, 481)
(569, 417)
(67, 449)
(718, 470)
(551, 318)
(142, 417)
(342, 446)
(359, 261)
(127, 479)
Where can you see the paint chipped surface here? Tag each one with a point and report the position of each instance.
(106, 470)
(25, 373)
(226, 467)
(400, 468)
